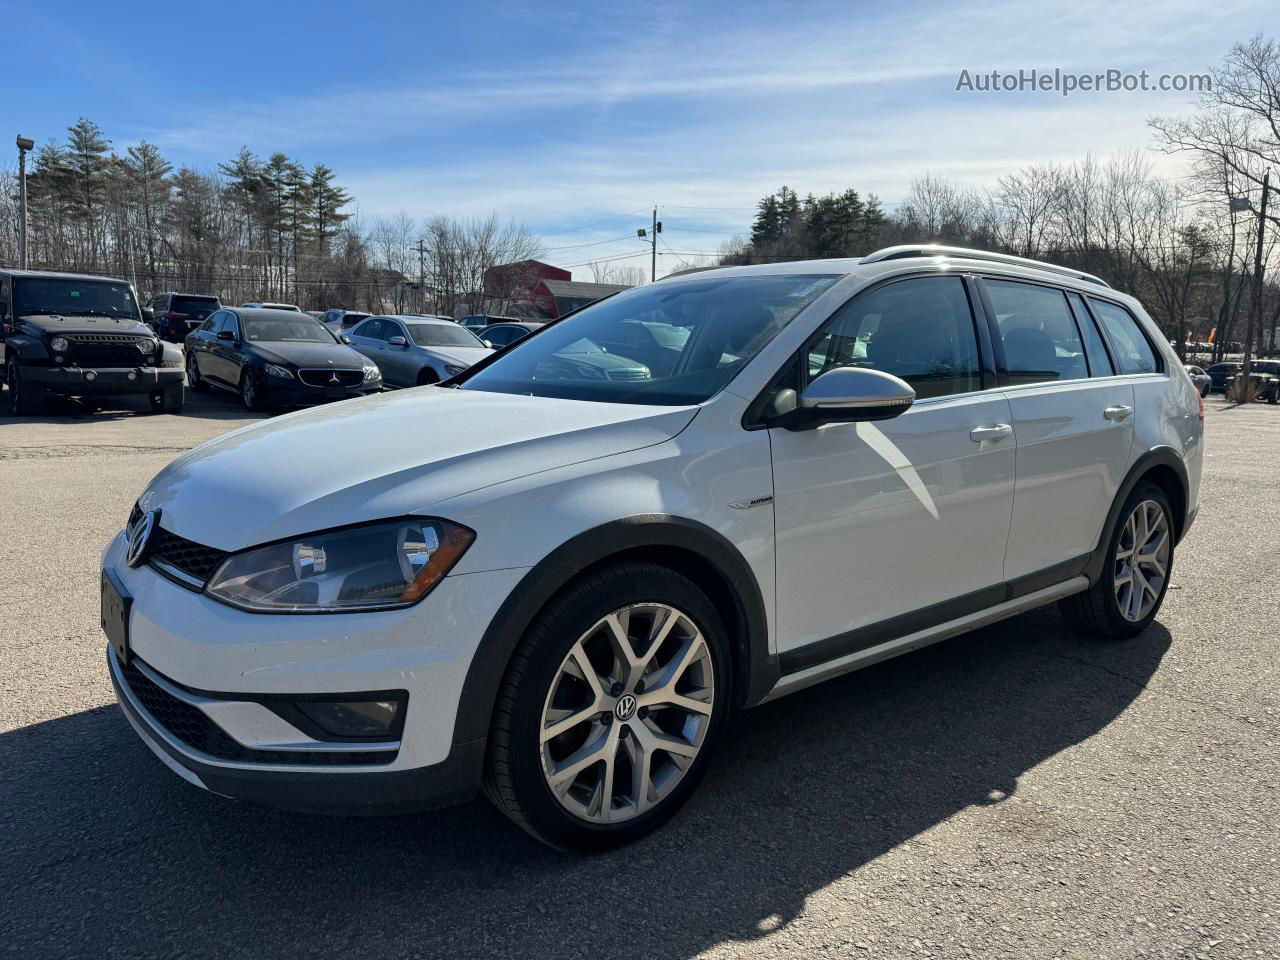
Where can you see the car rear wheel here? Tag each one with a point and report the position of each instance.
(25, 399)
(194, 380)
(610, 709)
(1133, 583)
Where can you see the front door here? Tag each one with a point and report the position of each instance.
(876, 523)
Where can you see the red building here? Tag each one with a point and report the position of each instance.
(548, 291)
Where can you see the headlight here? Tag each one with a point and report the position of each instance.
(454, 371)
(59, 345)
(145, 346)
(372, 567)
(371, 372)
(274, 371)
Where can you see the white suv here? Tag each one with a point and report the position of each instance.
(556, 584)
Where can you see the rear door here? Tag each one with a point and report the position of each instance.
(398, 360)
(885, 528)
(368, 338)
(1073, 416)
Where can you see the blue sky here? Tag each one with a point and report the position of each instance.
(562, 115)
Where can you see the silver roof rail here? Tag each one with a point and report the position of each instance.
(905, 251)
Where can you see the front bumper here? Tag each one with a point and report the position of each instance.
(191, 644)
(292, 393)
(78, 381)
(455, 779)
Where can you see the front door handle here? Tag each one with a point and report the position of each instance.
(996, 432)
(1118, 412)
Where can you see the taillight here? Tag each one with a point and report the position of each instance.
(1200, 397)
(171, 315)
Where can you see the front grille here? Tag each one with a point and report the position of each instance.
(195, 560)
(190, 725)
(324, 378)
(106, 350)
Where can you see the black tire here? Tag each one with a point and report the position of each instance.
(251, 392)
(25, 399)
(1096, 611)
(514, 778)
(194, 380)
(427, 376)
(1206, 391)
(170, 399)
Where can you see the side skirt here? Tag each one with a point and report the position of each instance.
(809, 675)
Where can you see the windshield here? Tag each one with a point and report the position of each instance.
(303, 328)
(73, 298)
(669, 343)
(442, 335)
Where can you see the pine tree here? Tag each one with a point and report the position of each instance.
(146, 173)
(327, 201)
(87, 163)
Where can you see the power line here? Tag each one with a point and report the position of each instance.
(556, 233)
(594, 243)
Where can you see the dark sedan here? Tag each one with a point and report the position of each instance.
(276, 358)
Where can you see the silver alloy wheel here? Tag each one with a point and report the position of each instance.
(193, 371)
(248, 392)
(627, 712)
(1142, 560)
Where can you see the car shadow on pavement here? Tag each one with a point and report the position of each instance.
(105, 852)
(199, 405)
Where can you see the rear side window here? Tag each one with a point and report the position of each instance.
(1041, 341)
(1133, 352)
(920, 330)
(212, 323)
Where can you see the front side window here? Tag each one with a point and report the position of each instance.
(667, 343)
(1041, 341)
(1133, 351)
(370, 329)
(920, 330)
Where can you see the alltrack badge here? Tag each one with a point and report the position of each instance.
(140, 538)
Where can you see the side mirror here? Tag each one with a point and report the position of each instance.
(398, 341)
(148, 315)
(487, 343)
(849, 394)
(226, 335)
(344, 338)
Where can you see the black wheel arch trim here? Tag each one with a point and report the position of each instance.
(757, 668)
(1156, 457)
(27, 348)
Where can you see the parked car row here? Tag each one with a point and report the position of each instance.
(87, 337)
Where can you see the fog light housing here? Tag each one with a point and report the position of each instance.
(373, 719)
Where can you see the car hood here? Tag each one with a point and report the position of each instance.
(57, 323)
(461, 356)
(308, 354)
(387, 455)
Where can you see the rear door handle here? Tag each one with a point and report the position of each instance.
(1118, 412)
(997, 432)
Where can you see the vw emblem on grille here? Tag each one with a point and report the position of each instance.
(333, 378)
(625, 708)
(140, 538)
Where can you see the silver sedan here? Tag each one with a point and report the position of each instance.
(413, 351)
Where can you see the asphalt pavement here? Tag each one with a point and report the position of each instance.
(1016, 792)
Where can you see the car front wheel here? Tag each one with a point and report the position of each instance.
(611, 708)
(25, 399)
(1133, 583)
(251, 392)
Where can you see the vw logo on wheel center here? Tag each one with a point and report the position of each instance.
(139, 537)
(625, 708)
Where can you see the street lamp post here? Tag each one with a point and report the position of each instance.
(1255, 304)
(24, 144)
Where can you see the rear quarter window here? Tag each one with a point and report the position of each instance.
(1133, 352)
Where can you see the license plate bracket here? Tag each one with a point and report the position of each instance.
(116, 606)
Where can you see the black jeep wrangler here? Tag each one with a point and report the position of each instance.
(81, 336)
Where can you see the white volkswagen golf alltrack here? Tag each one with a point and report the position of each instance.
(554, 579)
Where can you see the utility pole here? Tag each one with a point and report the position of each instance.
(652, 236)
(1255, 307)
(422, 276)
(24, 144)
